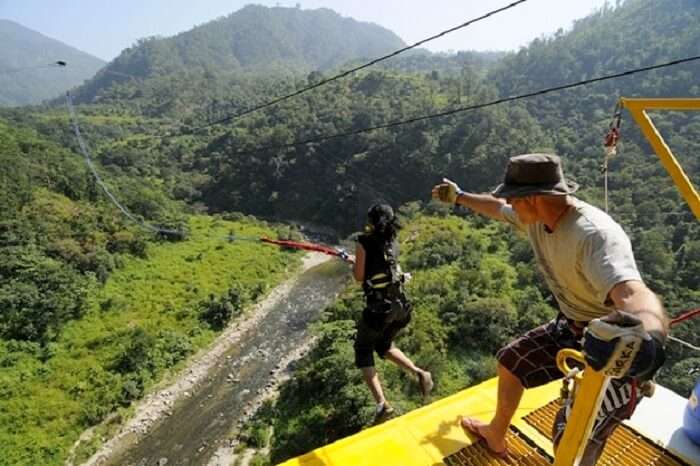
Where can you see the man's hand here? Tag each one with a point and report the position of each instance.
(447, 191)
(618, 345)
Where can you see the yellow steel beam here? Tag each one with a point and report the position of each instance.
(660, 104)
(637, 108)
(588, 396)
(427, 435)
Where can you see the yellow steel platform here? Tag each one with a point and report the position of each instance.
(426, 436)
(431, 435)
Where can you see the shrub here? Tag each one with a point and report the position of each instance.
(217, 312)
(486, 323)
(137, 355)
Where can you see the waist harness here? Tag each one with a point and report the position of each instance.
(384, 288)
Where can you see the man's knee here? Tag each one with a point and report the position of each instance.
(505, 374)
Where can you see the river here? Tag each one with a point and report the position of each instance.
(201, 423)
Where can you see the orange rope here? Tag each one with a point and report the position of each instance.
(685, 316)
(301, 245)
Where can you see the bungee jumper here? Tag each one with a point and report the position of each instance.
(387, 308)
(588, 264)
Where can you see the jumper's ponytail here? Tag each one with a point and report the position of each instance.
(383, 222)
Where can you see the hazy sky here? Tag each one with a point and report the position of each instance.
(105, 27)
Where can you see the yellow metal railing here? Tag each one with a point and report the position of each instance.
(589, 390)
(638, 108)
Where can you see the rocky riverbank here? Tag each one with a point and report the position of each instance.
(157, 406)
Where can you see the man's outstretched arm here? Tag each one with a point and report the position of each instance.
(484, 204)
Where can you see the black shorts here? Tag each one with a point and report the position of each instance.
(374, 333)
(532, 359)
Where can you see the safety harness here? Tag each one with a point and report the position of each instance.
(384, 289)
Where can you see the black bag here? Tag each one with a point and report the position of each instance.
(390, 303)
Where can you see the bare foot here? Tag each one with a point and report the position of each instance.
(482, 431)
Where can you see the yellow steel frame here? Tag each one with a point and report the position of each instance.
(589, 391)
(427, 435)
(638, 108)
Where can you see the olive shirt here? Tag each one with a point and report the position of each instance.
(582, 260)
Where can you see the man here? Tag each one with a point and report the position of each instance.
(587, 261)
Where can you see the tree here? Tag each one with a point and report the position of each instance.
(38, 295)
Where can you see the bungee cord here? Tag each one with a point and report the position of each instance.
(91, 166)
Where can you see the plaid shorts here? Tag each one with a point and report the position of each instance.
(532, 359)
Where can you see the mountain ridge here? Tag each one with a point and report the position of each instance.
(254, 38)
(26, 76)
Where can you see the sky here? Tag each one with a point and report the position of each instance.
(104, 28)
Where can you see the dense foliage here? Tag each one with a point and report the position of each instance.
(399, 164)
(150, 314)
(94, 309)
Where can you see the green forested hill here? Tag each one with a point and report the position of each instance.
(638, 33)
(254, 38)
(399, 164)
(25, 77)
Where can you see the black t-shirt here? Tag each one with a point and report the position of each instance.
(375, 260)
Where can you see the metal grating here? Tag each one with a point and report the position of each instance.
(542, 418)
(520, 452)
(624, 447)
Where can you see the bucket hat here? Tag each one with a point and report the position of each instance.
(531, 174)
